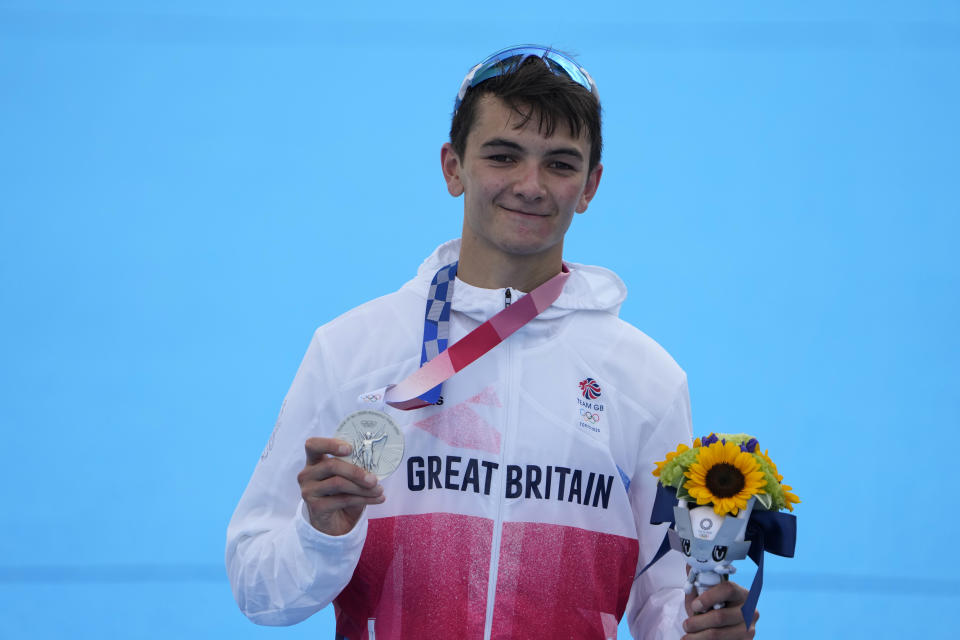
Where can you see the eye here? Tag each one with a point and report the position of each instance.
(685, 545)
(719, 553)
(501, 158)
(562, 166)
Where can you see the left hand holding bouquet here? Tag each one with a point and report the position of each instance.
(738, 492)
(717, 613)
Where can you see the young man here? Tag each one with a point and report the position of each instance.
(520, 508)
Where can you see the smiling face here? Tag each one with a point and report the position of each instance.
(520, 191)
(709, 540)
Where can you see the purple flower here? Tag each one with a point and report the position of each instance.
(709, 440)
(750, 445)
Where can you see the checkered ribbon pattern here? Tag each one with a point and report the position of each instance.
(436, 322)
(437, 362)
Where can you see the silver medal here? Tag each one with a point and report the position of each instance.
(377, 441)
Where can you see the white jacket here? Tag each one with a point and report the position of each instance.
(521, 507)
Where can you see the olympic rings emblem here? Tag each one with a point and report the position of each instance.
(370, 397)
(592, 418)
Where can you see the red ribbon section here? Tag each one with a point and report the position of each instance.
(403, 395)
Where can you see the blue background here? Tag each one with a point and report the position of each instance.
(187, 189)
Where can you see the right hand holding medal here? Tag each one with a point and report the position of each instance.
(334, 490)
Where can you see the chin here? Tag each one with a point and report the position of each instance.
(526, 248)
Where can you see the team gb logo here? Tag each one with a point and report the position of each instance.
(590, 389)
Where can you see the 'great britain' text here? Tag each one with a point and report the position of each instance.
(529, 481)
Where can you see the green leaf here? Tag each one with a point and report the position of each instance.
(764, 500)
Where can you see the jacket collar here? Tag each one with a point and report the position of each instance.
(589, 288)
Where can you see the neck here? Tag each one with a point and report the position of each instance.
(524, 273)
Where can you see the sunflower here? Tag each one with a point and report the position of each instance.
(725, 476)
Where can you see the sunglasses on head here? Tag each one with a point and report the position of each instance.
(507, 60)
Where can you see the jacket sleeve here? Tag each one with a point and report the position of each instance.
(656, 610)
(281, 569)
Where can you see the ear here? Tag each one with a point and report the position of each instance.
(590, 189)
(451, 165)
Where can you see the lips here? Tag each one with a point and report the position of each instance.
(522, 212)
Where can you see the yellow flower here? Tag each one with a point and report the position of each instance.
(765, 456)
(789, 499)
(725, 476)
(670, 456)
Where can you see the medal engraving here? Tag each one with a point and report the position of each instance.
(377, 441)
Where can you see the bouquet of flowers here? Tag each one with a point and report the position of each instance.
(739, 494)
(725, 470)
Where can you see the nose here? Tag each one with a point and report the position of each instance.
(529, 183)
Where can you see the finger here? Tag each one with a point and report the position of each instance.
(337, 485)
(326, 511)
(726, 593)
(330, 467)
(317, 448)
(726, 619)
(688, 603)
(330, 504)
(336, 515)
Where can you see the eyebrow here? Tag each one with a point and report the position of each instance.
(510, 144)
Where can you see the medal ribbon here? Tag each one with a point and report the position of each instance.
(422, 387)
(436, 322)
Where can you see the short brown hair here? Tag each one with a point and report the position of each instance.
(531, 89)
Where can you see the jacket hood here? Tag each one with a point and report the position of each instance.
(589, 288)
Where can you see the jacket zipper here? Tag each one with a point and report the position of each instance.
(498, 523)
